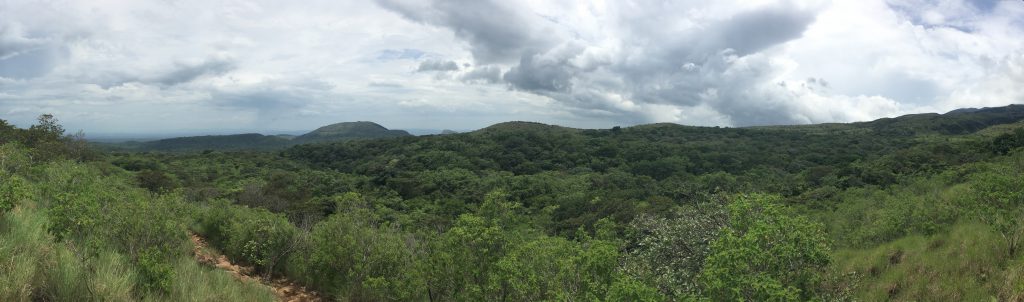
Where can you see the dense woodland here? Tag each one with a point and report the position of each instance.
(915, 208)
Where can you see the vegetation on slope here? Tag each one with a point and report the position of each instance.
(526, 211)
(348, 131)
(73, 229)
(259, 142)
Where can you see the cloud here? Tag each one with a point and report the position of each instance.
(624, 76)
(497, 31)
(437, 65)
(483, 75)
(400, 54)
(24, 55)
(649, 61)
(140, 65)
(185, 72)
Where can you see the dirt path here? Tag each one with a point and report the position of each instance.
(285, 289)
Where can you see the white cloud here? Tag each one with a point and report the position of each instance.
(130, 66)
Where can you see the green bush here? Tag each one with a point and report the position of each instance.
(157, 274)
(144, 223)
(765, 255)
(552, 268)
(348, 257)
(14, 158)
(629, 289)
(13, 189)
(258, 237)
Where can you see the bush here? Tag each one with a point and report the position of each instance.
(155, 181)
(765, 255)
(156, 273)
(629, 289)
(258, 237)
(347, 257)
(13, 189)
(670, 252)
(14, 158)
(552, 268)
(144, 224)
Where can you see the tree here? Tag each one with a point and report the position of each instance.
(13, 189)
(765, 254)
(155, 181)
(48, 128)
(462, 259)
(1001, 192)
(670, 252)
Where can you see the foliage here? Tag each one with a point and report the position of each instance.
(13, 190)
(526, 211)
(1000, 191)
(765, 254)
(670, 252)
(258, 237)
(156, 273)
(348, 256)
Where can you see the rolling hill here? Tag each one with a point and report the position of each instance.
(349, 131)
(259, 142)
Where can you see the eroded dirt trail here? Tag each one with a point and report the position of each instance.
(285, 289)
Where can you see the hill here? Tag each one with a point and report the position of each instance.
(922, 207)
(349, 131)
(960, 121)
(259, 142)
(234, 142)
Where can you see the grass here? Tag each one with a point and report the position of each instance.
(23, 238)
(199, 283)
(33, 266)
(967, 263)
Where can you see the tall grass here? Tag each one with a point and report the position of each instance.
(34, 266)
(23, 239)
(967, 263)
(199, 283)
(113, 277)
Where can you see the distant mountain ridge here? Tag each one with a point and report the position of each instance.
(254, 141)
(960, 121)
(349, 130)
(248, 141)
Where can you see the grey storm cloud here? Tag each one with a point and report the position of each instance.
(138, 64)
(24, 55)
(656, 66)
(496, 30)
(482, 74)
(167, 74)
(272, 102)
(437, 65)
(184, 72)
(753, 31)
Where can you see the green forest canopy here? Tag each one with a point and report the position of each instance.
(920, 207)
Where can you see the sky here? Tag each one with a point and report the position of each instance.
(106, 66)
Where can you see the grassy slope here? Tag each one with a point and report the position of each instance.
(966, 263)
(941, 252)
(34, 265)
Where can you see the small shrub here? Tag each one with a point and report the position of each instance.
(155, 272)
(765, 255)
(13, 189)
(258, 237)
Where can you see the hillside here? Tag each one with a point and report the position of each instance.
(913, 208)
(249, 141)
(349, 131)
(259, 142)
